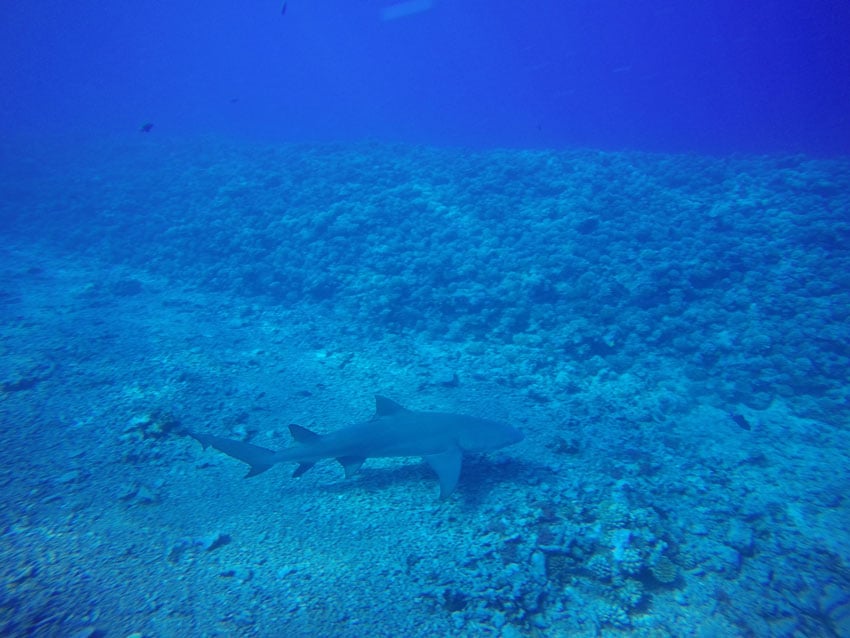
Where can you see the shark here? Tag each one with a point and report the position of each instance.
(440, 438)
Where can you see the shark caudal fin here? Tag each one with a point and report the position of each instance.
(259, 458)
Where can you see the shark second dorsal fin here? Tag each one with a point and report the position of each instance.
(302, 434)
(302, 467)
(387, 407)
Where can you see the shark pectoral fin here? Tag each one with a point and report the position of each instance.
(447, 466)
(351, 464)
(302, 467)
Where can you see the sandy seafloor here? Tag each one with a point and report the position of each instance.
(614, 306)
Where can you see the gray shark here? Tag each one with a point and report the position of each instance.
(441, 438)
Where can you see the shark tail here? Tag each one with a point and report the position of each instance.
(259, 458)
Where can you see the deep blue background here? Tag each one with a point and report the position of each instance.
(706, 76)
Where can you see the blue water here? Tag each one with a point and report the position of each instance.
(621, 228)
(720, 76)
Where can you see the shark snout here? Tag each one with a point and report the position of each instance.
(508, 435)
(512, 435)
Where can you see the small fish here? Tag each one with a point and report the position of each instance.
(146, 127)
(741, 420)
(283, 9)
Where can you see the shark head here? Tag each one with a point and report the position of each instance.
(483, 435)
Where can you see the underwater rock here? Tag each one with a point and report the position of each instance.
(126, 491)
(213, 541)
(564, 445)
(587, 225)
(176, 551)
(725, 559)
(610, 613)
(664, 570)
(71, 476)
(153, 425)
(242, 574)
(441, 376)
(740, 537)
(630, 593)
(740, 420)
(88, 632)
(600, 566)
(145, 496)
(834, 603)
(538, 567)
(26, 374)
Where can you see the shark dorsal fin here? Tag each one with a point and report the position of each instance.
(302, 434)
(387, 407)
